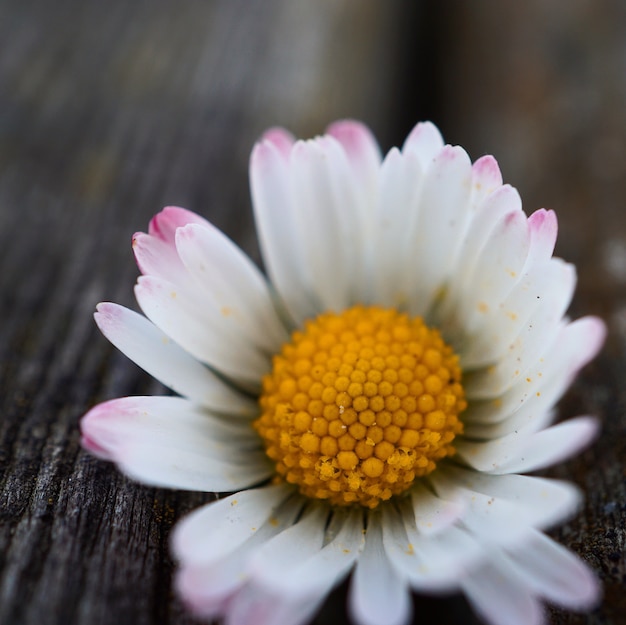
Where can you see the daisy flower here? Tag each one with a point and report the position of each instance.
(375, 403)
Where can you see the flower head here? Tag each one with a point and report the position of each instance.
(375, 403)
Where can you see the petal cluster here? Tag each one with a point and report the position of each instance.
(422, 230)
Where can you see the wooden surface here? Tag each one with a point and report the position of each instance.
(111, 110)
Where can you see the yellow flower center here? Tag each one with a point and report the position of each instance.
(359, 404)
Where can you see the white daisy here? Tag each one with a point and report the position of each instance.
(375, 403)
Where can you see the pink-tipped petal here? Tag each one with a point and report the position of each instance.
(486, 177)
(93, 447)
(281, 139)
(543, 231)
(361, 149)
(156, 257)
(155, 252)
(164, 224)
(170, 442)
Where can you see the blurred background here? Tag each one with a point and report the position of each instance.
(111, 110)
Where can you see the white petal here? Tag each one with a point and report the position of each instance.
(378, 594)
(532, 417)
(499, 595)
(314, 576)
(496, 272)
(331, 233)
(441, 226)
(514, 256)
(495, 208)
(202, 332)
(425, 142)
(488, 520)
(291, 573)
(157, 354)
(395, 219)
(234, 286)
(522, 452)
(279, 230)
(486, 180)
(500, 327)
(548, 298)
(289, 548)
(162, 466)
(573, 347)
(533, 501)
(363, 159)
(432, 514)
(429, 563)
(216, 529)
(254, 605)
(170, 442)
(214, 548)
(555, 573)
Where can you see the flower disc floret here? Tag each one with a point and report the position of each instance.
(359, 404)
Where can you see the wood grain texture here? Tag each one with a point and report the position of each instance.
(111, 110)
